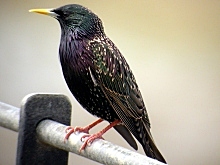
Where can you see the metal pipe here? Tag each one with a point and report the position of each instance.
(53, 133)
(9, 116)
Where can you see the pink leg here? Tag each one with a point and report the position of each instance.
(92, 137)
(86, 129)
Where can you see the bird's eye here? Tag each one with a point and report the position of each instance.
(64, 14)
(61, 13)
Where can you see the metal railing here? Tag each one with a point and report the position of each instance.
(41, 124)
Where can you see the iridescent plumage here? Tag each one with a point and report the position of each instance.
(99, 77)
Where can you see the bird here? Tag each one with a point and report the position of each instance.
(100, 78)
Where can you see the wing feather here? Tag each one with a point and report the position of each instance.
(117, 80)
(118, 84)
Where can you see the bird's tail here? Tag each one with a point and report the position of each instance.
(149, 146)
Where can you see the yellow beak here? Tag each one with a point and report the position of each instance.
(44, 11)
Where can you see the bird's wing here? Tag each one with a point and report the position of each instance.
(115, 78)
(113, 75)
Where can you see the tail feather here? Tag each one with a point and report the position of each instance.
(149, 146)
(140, 128)
(124, 132)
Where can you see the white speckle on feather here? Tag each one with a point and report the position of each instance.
(93, 78)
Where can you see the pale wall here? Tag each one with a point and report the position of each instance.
(172, 47)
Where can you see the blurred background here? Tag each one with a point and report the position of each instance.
(172, 47)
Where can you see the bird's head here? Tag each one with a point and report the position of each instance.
(73, 17)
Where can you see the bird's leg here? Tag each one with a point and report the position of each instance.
(85, 129)
(92, 137)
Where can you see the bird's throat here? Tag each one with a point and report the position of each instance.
(74, 51)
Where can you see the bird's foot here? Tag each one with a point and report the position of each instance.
(97, 135)
(69, 130)
(88, 139)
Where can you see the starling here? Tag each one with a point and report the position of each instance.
(100, 78)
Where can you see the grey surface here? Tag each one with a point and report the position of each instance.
(34, 109)
(100, 150)
(9, 116)
(53, 133)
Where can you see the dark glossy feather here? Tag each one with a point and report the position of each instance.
(100, 78)
(119, 86)
(116, 78)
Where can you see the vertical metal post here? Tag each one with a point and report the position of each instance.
(35, 108)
